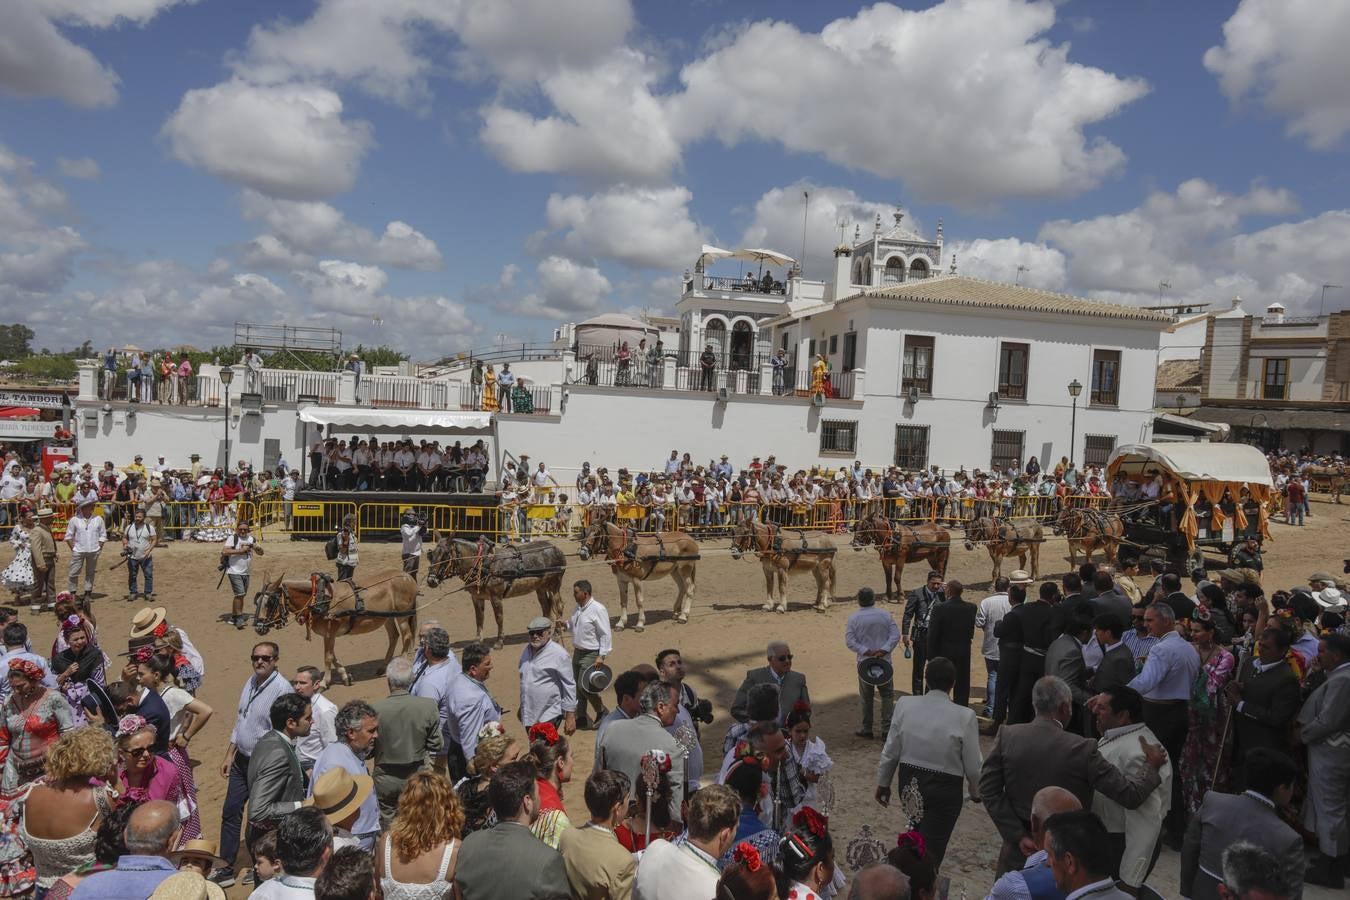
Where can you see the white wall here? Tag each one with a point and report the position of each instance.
(1225, 359)
(1185, 341)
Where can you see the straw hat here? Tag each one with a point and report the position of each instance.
(338, 793)
(144, 623)
(187, 886)
(198, 849)
(46, 513)
(1021, 576)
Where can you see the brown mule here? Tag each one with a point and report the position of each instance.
(1090, 529)
(636, 558)
(898, 543)
(781, 551)
(1004, 538)
(492, 572)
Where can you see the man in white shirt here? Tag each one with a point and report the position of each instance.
(872, 633)
(679, 871)
(138, 543)
(308, 683)
(506, 379)
(404, 459)
(992, 610)
(85, 535)
(304, 846)
(592, 642)
(548, 692)
(542, 478)
(1133, 832)
(672, 466)
(238, 552)
(411, 530)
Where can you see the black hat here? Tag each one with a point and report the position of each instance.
(875, 670)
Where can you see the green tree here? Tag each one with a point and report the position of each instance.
(15, 341)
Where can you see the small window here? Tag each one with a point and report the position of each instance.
(1274, 379)
(834, 344)
(1012, 371)
(850, 351)
(839, 437)
(1106, 377)
(1006, 452)
(1097, 449)
(811, 349)
(911, 447)
(918, 368)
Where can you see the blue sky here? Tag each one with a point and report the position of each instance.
(433, 173)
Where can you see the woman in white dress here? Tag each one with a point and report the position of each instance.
(415, 860)
(18, 577)
(808, 753)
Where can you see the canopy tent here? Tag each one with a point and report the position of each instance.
(395, 420)
(19, 412)
(759, 255)
(1191, 471)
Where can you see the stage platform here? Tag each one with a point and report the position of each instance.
(318, 514)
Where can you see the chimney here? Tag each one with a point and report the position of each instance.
(843, 271)
(1274, 313)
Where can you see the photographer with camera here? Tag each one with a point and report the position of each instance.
(236, 561)
(138, 543)
(671, 666)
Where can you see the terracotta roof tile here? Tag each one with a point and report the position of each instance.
(959, 290)
(1178, 375)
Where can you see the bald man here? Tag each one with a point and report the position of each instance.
(1035, 879)
(151, 832)
(879, 881)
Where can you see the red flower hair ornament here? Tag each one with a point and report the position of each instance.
(808, 819)
(746, 854)
(543, 731)
(914, 841)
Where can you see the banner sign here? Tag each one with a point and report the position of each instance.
(39, 399)
(31, 431)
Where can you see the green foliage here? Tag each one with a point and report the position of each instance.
(15, 341)
(45, 368)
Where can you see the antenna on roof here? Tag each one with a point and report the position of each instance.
(1163, 286)
(1322, 310)
(843, 229)
(1020, 270)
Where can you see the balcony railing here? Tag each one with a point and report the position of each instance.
(747, 284)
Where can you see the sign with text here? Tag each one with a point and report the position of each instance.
(39, 399)
(29, 431)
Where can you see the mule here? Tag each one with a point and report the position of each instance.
(384, 599)
(1090, 529)
(782, 551)
(1006, 537)
(492, 572)
(636, 558)
(1326, 479)
(898, 543)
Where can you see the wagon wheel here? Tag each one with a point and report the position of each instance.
(1195, 559)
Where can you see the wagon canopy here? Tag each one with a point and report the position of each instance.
(1193, 470)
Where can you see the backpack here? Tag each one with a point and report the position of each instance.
(330, 549)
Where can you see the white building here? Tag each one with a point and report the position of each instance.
(926, 369)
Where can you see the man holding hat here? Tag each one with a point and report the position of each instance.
(340, 787)
(872, 633)
(85, 535)
(592, 642)
(548, 691)
(43, 547)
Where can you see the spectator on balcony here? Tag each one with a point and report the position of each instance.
(623, 359)
(522, 402)
(779, 362)
(506, 382)
(707, 363)
(654, 364)
(253, 366)
(147, 378)
(356, 367)
(183, 380)
(490, 390)
(109, 372)
(134, 377)
(476, 384)
(766, 283)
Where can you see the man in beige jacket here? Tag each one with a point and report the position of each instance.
(598, 866)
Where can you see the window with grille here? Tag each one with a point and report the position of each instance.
(839, 437)
(834, 344)
(1274, 379)
(1097, 449)
(911, 447)
(918, 370)
(1012, 371)
(1006, 451)
(850, 351)
(1106, 377)
(811, 349)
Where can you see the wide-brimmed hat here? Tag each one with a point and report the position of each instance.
(1320, 576)
(198, 849)
(1330, 598)
(595, 678)
(1020, 576)
(187, 886)
(144, 623)
(338, 793)
(875, 670)
(46, 513)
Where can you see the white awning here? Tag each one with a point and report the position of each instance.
(1229, 463)
(712, 254)
(396, 419)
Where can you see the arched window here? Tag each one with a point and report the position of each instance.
(895, 270)
(857, 272)
(742, 344)
(918, 269)
(867, 270)
(715, 333)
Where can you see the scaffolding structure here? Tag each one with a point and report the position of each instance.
(292, 340)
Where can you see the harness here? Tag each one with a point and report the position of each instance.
(776, 548)
(482, 570)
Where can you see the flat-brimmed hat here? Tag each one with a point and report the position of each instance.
(46, 513)
(595, 678)
(198, 849)
(1021, 576)
(187, 886)
(144, 623)
(540, 623)
(1321, 576)
(1330, 598)
(338, 793)
(875, 670)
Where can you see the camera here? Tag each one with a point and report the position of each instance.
(126, 551)
(702, 712)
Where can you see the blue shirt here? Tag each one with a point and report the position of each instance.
(471, 707)
(341, 756)
(435, 682)
(134, 878)
(1169, 671)
(1139, 645)
(254, 717)
(869, 629)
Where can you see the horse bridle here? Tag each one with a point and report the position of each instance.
(278, 610)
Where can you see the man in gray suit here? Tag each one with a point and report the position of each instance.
(507, 862)
(1040, 753)
(626, 742)
(410, 737)
(1225, 819)
(1064, 660)
(791, 685)
(276, 783)
(1324, 724)
(1117, 666)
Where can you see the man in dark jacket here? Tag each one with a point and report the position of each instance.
(951, 628)
(1266, 698)
(1117, 666)
(914, 625)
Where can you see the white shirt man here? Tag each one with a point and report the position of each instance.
(324, 713)
(992, 610)
(85, 535)
(12, 483)
(672, 466)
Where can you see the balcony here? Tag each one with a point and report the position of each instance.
(725, 284)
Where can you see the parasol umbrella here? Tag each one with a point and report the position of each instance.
(761, 255)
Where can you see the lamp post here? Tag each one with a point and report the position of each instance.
(1075, 388)
(226, 376)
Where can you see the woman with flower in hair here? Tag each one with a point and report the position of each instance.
(653, 805)
(910, 855)
(806, 854)
(747, 876)
(495, 749)
(34, 718)
(746, 778)
(75, 666)
(142, 776)
(552, 757)
(1208, 709)
(65, 607)
(807, 752)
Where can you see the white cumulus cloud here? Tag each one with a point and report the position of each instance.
(318, 228)
(643, 227)
(37, 60)
(84, 168)
(564, 289)
(777, 222)
(999, 260)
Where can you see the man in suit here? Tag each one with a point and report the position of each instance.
(1117, 665)
(276, 783)
(506, 861)
(951, 628)
(598, 866)
(1182, 605)
(914, 626)
(1080, 856)
(1026, 758)
(1324, 724)
(1265, 698)
(625, 743)
(410, 737)
(1225, 819)
(1110, 598)
(1064, 660)
(1133, 832)
(681, 871)
(791, 685)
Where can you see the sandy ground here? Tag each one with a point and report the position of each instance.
(726, 635)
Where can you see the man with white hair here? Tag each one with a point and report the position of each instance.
(1251, 873)
(410, 737)
(791, 685)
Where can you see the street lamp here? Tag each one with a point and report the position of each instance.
(226, 376)
(1075, 388)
